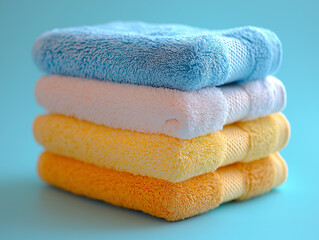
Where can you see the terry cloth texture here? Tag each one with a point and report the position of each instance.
(161, 156)
(172, 201)
(159, 55)
(160, 110)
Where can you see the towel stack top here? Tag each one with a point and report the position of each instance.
(160, 55)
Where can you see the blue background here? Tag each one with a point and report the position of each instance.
(31, 209)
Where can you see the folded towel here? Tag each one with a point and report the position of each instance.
(172, 201)
(160, 110)
(172, 56)
(160, 156)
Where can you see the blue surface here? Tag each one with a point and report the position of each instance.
(30, 209)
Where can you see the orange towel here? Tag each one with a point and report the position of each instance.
(161, 198)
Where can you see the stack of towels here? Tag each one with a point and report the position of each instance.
(170, 120)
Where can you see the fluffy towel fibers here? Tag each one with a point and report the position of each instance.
(160, 156)
(172, 201)
(159, 55)
(160, 110)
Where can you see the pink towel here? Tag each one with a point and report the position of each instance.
(160, 110)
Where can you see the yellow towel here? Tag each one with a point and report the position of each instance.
(172, 201)
(161, 156)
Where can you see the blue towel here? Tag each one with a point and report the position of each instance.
(172, 56)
